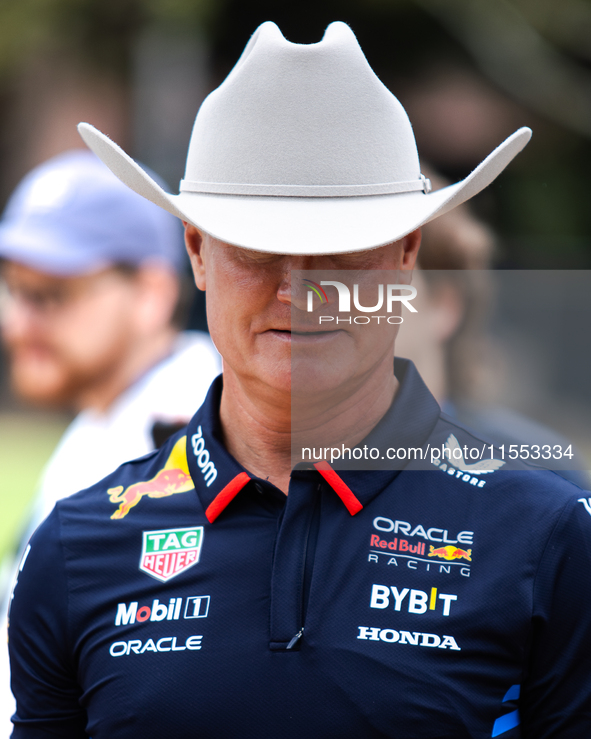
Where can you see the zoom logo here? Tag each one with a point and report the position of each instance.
(204, 463)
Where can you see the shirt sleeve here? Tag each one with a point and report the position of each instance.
(43, 674)
(556, 696)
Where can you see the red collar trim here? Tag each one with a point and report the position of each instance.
(231, 490)
(225, 496)
(344, 492)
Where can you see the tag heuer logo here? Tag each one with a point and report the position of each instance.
(169, 552)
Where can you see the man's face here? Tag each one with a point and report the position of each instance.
(64, 334)
(259, 320)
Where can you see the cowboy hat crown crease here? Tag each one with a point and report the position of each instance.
(288, 112)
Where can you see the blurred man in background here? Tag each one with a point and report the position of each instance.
(91, 280)
(91, 283)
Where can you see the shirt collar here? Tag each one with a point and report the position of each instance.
(218, 477)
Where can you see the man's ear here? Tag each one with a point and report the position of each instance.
(194, 241)
(410, 248)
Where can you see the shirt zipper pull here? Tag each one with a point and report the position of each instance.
(295, 638)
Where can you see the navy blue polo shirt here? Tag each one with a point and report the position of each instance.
(183, 596)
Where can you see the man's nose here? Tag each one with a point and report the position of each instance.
(293, 289)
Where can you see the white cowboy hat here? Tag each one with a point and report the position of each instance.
(302, 150)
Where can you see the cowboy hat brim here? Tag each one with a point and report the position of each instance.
(305, 225)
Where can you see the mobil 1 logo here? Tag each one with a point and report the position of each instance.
(194, 606)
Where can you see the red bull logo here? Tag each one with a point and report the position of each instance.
(450, 553)
(173, 478)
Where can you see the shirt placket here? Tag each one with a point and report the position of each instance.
(293, 562)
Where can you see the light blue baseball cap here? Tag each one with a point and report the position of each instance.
(71, 216)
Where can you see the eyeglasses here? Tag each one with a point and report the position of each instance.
(50, 300)
(46, 301)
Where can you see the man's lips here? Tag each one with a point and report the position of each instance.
(304, 335)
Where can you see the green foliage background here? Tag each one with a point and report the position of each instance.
(26, 442)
